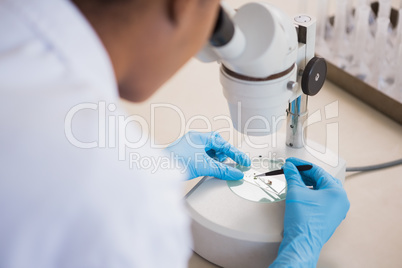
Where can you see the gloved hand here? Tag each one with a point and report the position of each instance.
(201, 154)
(311, 216)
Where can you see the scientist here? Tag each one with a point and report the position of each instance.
(64, 204)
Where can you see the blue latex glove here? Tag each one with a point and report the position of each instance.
(311, 216)
(201, 154)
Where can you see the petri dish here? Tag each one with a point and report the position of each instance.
(266, 189)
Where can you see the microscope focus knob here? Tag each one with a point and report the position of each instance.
(314, 76)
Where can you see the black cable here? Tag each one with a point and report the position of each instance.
(374, 167)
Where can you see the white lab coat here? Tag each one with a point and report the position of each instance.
(62, 206)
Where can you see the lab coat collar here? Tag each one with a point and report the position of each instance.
(69, 34)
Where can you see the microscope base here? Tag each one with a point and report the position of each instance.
(231, 231)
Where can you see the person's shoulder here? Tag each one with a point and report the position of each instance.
(14, 31)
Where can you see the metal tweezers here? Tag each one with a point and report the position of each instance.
(280, 171)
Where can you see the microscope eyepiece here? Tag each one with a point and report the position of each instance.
(224, 30)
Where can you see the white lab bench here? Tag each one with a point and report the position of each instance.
(371, 234)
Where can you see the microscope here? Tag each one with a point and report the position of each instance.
(268, 69)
